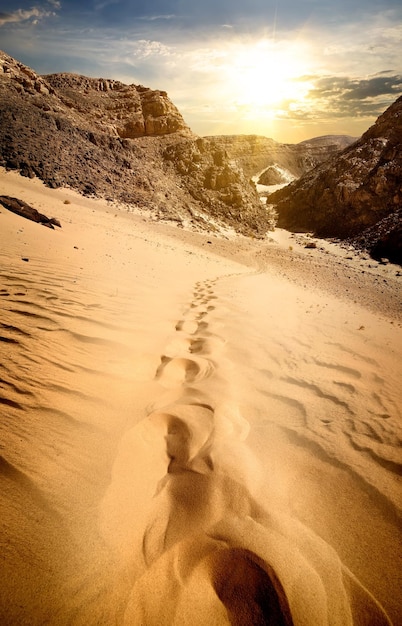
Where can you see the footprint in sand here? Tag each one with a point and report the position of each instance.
(211, 553)
(187, 326)
(176, 368)
(249, 589)
(180, 370)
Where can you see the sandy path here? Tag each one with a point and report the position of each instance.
(190, 439)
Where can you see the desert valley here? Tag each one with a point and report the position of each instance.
(200, 365)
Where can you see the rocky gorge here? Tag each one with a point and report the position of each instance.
(130, 145)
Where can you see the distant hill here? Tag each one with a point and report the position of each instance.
(256, 154)
(356, 194)
(335, 142)
(126, 143)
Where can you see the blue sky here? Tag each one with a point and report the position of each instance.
(287, 69)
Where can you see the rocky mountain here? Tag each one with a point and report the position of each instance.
(126, 143)
(357, 194)
(126, 111)
(262, 156)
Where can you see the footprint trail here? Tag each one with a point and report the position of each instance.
(206, 544)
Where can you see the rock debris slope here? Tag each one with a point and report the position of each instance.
(356, 194)
(126, 143)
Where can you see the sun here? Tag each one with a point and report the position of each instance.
(265, 74)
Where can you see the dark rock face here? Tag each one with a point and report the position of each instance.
(384, 239)
(25, 210)
(353, 191)
(122, 142)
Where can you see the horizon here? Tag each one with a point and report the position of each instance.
(291, 72)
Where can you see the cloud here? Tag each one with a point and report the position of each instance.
(144, 49)
(100, 6)
(21, 16)
(373, 87)
(356, 96)
(340, 97)
(154, 18)
(371, 46)
(35, 12)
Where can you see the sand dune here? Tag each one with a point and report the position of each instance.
(190, 433)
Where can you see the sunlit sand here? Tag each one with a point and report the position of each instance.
(188, 436)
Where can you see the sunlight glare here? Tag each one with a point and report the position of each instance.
(265, 74)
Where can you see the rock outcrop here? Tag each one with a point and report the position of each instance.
(272, 176)
(219, 184)
(383, 240)
(126, 143)
(126, 111)
(354, 190)
(15, 205)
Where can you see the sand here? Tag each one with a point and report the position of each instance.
(194, 429)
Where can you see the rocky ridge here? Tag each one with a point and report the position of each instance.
(260, 155)
(355, 195)
(126, 143)
(126, 111)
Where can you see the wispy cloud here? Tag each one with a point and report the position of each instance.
(154, 18)
(144, 49)
(373, 46)
(33, 14)
(99, 6)
(22, 16)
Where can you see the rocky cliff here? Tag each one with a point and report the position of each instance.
(126, 143)
(260, 155)
(127, 111)
(354, 192)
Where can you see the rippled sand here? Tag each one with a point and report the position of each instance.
(187, 438)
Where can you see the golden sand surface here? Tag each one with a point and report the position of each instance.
(194, 429)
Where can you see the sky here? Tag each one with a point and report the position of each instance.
(286, 69)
